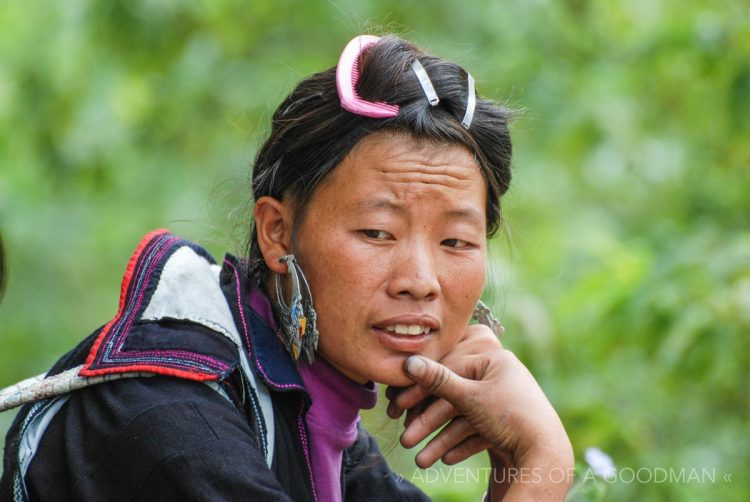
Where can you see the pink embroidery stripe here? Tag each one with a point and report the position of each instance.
(247, 336)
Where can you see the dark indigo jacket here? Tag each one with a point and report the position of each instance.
(170, 436)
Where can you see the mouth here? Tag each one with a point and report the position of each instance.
(408, 329)
(409, 335)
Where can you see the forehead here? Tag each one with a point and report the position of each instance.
(397, 166)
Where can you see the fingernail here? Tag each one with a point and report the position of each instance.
(415, 366)
(391, 410)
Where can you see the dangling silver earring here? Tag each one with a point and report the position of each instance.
(483, 315)
(298, 318)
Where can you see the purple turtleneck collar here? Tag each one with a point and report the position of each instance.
(333, 416)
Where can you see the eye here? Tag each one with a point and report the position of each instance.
(455, 243)
(379, 235)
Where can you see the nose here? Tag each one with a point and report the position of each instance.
(414, 274)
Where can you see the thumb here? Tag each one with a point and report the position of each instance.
(435, 378)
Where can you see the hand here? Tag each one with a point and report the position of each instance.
(489, 401)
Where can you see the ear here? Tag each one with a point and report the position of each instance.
(273, 225)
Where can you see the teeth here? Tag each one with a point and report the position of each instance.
(408, 329)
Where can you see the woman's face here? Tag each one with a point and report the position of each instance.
(393, 245)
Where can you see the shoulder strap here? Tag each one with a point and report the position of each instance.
(42, 387)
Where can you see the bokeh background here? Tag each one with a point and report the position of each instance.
(623, 273)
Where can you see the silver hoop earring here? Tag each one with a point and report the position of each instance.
(483, 315)
(298, 318)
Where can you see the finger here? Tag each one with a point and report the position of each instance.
(391, 392)
(394, 411)
(428, 421)
(417, 409)
(465, 449)
(463, 365)
(404, 398)
(438, 380)
(452, 435)
(409, 397)
(468, 366)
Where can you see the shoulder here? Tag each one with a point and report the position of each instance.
(143, 421)
(170, 289)
(129, 412)
(149, 435)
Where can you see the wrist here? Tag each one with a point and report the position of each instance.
(543, 472)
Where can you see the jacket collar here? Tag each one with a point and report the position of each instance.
(267, 354)
(166, 278)
(172, 278)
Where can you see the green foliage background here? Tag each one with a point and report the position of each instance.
(624, 274)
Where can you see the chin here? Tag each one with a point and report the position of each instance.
(392, 372)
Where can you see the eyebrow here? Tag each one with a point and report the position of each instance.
(467, 213)
(381, 204)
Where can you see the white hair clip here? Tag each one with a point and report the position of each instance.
(471, 103)
(424, 79)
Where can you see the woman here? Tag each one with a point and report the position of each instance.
(374, 197)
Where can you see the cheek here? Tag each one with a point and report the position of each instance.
(463, 283)
(462, 287)
(337, 273)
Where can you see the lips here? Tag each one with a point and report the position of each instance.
(407, 333)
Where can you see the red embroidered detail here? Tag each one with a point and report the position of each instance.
(106, 356)
(124, 285)
(159, 370)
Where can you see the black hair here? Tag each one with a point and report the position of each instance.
(311, 134)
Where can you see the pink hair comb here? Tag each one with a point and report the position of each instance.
(347, 76)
